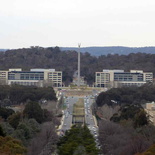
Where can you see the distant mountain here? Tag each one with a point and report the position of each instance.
(97, 51)
(3, 50)
(120, 50)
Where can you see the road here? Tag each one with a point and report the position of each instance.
(69, 102)
(89, 118)
(67, 119)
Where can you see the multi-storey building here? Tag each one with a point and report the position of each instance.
(150, 109)
(37, 77)
(3, 77)
(118, 78)
(51, 76)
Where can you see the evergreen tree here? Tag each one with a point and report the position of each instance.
(1, 131)
(33, 110)
(77, 140)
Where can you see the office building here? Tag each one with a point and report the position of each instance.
(36, 77)
(119, 78)
(3, 77)
(150, 109)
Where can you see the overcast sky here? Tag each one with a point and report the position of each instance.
(65, 23)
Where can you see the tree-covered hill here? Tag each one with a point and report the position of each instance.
(66, 61)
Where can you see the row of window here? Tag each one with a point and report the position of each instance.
(55, 74)
(32, 77)
(25, 83)
(102, 81)
(130, 84)
(98, 74)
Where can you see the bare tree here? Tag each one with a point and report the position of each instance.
(45, 142)
(108, 111)
(118, 140)
(138, 144)
(50, 106)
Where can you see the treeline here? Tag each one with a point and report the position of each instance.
(66, 61)
(127, 95)
(16, 94)
(30, 130)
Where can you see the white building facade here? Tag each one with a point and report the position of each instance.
(119, 78)
(34, 77)
(150, 109)
(3, 77)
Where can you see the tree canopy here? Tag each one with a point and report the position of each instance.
(33, 110)
(1, 131)
(149, 151)
(127, 95)
(17, 94)
(134, 112)
(5, 112)
(78, 140)
(14, 119)
(11, 146)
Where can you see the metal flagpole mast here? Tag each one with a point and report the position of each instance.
(79, 65)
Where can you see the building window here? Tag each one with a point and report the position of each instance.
(59, 74)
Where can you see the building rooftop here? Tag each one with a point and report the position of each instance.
(42, 69)
(112, 70)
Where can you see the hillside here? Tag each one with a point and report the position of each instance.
(97, 51)
(66, 61)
